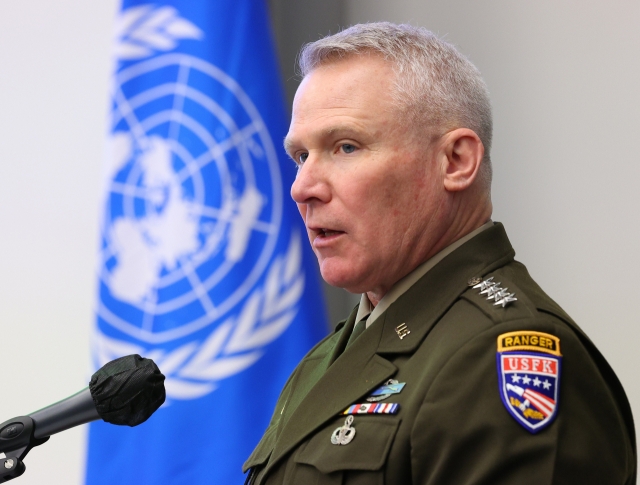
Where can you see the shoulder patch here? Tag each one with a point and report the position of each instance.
(529, 377)
(529, 340)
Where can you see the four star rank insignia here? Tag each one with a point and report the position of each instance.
(529, 377)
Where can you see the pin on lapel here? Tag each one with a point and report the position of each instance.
(345, 433)
(390, 388)
(402, 330)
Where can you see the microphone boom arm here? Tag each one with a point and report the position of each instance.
(19, 435)
(16, 440)
(77, 409)
(125, 391)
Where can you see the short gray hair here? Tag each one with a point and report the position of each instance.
(435, 85)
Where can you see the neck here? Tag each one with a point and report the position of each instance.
(453, 230)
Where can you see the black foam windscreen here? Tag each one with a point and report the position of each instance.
(127, 390)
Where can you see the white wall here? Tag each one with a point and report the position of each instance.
(54, 73)
(565, 83)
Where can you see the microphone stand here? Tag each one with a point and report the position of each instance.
(16, 440)
(19, 435)
(113, 382)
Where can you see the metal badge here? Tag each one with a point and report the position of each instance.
(494, 292)
(391, 387)
(402, 330)
(474, 281)
(491, 291)
(483, 285)
(344, 434)
(506, 300)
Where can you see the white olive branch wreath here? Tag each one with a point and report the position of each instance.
(143, 30)
(194, 369)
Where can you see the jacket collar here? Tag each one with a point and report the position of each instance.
(352, 374)
(441, 287)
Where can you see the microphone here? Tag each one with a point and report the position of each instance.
(125, 391)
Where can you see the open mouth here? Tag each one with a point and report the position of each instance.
(328, 232)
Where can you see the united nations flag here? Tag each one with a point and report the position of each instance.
(203, 265)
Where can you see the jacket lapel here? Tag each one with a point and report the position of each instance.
(312, 368)
(355, 373)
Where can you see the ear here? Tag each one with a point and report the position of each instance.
(463, 152)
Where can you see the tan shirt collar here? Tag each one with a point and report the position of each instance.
(366, 308)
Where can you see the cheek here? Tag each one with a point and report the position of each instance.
(394, 197)
(404, 199)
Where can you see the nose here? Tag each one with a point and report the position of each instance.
(311, 183)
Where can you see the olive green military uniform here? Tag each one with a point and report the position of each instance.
(452, 426)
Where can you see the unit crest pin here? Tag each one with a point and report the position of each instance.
(474, 281)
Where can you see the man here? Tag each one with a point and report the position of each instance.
(455, 368)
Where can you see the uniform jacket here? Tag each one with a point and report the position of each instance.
(452, 426)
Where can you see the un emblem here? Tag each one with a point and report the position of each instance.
(191, 273)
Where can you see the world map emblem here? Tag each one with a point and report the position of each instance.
(192, 272)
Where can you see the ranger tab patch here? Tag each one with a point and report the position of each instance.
(529, 377)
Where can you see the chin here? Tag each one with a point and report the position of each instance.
(340, 276)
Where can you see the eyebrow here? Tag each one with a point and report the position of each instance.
(341, 129)
(288, 143)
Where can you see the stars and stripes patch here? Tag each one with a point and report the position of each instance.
(373, 408)
(529, 379)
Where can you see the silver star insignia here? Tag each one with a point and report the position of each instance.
(499, 294)
(506, 300)
(483, 285)
(491, 290)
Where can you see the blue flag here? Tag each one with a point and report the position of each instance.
(205, 267)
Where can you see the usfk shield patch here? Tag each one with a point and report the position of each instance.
(529, 377)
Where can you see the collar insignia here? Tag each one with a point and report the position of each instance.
(402, 330)
(529, 377)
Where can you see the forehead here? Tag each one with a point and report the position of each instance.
(351, 91)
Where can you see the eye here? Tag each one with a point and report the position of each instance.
(348, 148)
(303, 158)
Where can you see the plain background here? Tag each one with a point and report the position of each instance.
(565, 83)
